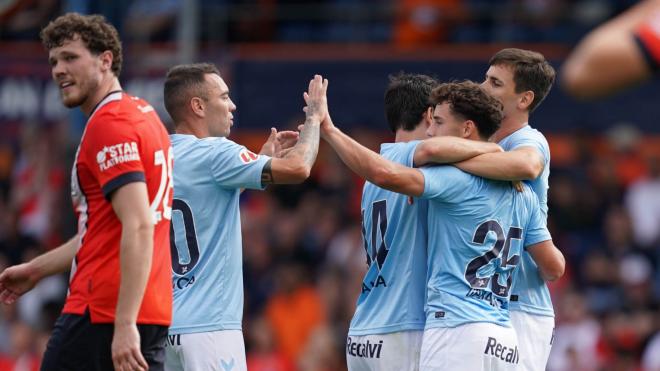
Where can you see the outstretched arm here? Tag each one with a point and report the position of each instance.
(609, 59)
(19, 279)
(296, 164)
(372, 166)
(523, 163)
(549, 259)
(442, 150)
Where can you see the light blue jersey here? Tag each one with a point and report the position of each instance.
(206, 231)
(477, 230)
(394, 232)
(530, 292)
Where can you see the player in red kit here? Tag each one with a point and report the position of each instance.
(616, 55)
(119, 303)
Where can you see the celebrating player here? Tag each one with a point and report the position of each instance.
(210, 172)
(119, 301)
(387, 328)
(476, 231)
(520, 80)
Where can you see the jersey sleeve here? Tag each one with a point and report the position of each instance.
(537, 229)
(409, 152)
(234, 166)
(647, 36)
(445, 182)
(114, 152)
(534, 141)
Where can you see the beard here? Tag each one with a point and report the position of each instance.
(80, 95)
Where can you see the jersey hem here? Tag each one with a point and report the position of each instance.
(415, 326)
(532, 310)
(204, 328)
(452, 324)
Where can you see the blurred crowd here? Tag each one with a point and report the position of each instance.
(402, 22)
(304, 258)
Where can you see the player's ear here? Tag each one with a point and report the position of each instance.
(106, 60)
(469, 128)
(197, 106)
(526, 100)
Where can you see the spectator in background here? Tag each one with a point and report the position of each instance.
(643, 204)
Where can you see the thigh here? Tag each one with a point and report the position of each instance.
(535, 336)
(394, 351)
(152, 345)
(216, 350)
(76, 344)
(473, 347)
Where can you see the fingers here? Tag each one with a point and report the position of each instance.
(133, 360)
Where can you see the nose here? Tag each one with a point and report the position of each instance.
(232, 106)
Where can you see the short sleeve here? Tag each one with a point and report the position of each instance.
(234, 166)
(647, 36)
(445, 182)
(114, 152)
(540, 144)
(537, 229)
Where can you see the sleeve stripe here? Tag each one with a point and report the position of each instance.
(121, 180)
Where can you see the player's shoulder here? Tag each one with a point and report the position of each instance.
(123, 112)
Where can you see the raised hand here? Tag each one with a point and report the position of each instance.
(316, 99)
(16, 281)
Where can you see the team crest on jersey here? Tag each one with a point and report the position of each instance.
(248, 156)
(110, 156)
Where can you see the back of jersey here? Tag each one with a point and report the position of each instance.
(206, 231)
(394, 232)
(477, 230)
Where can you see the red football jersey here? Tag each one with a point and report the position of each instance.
(124, 141)
(649, 36)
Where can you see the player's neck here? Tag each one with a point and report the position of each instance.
(107, 85)
(406, 136)
(187, 128)
(510, 124)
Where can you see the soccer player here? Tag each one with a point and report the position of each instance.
(620, 53)
(387, 328)
(209, 174)
(119, 301)
(477, 229)
(520, 80)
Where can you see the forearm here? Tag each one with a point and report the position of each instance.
(135, 255)
(57, 260)
(361, 160)
(499, 166)
(441, 150)
(296, 164)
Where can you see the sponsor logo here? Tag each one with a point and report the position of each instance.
(173, 340)
(110, 156)
(487, 296)
(497, 350)
(247, 156)
(145, 109)
(363, 350)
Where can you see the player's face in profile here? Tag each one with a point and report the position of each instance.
(220, 107)
(445, 123)
(499, 84)
(75, 70)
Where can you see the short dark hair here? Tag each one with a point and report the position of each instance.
(182, 83)
(94, 30)
(468, 100)
(530, 72)
(406, 100)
